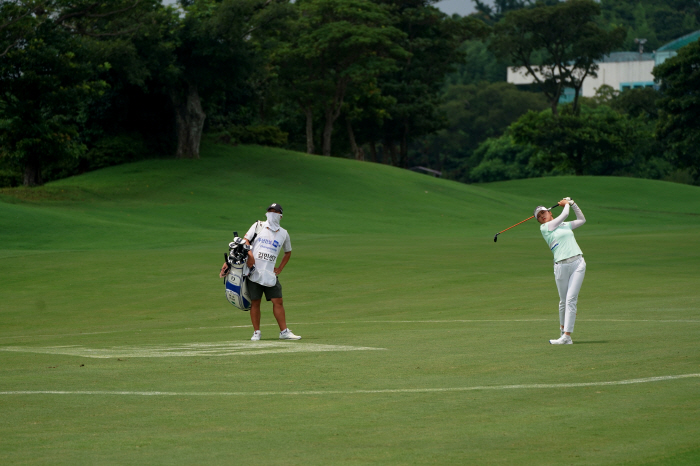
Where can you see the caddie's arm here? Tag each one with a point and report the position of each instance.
(285, 259)
(251, 259)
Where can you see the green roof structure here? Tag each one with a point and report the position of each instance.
(680, 42)
(669, 50)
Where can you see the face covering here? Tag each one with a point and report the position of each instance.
(273, 220)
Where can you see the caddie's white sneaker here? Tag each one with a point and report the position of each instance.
(287, 334)
(562, 340)
(256, 336)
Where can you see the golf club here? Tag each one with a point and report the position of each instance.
(495, 238)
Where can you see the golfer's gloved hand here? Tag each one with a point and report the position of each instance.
(569, 200)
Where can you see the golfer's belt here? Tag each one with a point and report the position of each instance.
(569, 260)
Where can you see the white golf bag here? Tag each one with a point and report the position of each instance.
(236, 281)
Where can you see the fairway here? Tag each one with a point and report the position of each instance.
(423, 341)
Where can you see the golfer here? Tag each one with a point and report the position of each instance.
(569, 265)
(264, 279)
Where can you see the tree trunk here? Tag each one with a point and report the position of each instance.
(392, 152)
(32, 172)
(310, 148)
(357, 151)
(554, 104)
(332, 114)
(577, 159)
(328, 133)
(373, 151)
(189, 122)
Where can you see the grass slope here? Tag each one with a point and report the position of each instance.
(125, 260)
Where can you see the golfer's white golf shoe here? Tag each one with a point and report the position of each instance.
(562, 340)
(256, 336)
(287, 334)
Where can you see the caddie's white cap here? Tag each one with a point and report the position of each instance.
(539, 209)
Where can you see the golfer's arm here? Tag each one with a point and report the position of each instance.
(580, 219)
(554, 224)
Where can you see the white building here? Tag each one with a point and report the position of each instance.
(619, 70)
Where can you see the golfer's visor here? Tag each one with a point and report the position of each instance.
(540, 209)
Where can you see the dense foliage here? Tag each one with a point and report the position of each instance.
(87, 84)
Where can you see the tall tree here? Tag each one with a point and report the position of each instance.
(680, 106)
(335, 44)
(557, 45)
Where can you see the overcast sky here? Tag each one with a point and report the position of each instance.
(461, 7)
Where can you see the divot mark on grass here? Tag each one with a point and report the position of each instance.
(215, 349)
(357, 392)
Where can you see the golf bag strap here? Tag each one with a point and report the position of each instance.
(258, 229)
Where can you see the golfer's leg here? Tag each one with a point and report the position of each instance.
(255, 313)
(575, 283)
(562, 280)
(278, 311)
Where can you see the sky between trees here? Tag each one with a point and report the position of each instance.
(461, 7)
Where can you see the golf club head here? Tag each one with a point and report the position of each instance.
(495, 238)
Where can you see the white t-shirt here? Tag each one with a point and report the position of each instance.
(266, 250)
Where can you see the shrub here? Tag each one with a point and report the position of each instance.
(263, 135)
(114, 150)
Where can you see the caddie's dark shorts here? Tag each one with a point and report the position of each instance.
(256, 290)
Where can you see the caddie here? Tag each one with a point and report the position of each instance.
(267, 244)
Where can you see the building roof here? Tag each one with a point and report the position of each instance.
(680, 42)
(617, 57)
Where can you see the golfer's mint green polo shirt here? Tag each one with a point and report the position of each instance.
(561, 241)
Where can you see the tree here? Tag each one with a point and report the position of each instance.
(557, 45)
(680, 106)
(639, 102)
(482, 111)
(502, 159)
(657, 21)
(333, 45)
(215, 53)
(49, 73)
(492, 12)
(480, 64)
(475, 113)
(596, 142)
(433, 40)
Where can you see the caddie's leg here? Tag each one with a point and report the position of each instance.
(255, 313)
(575, 282)
(278, 311)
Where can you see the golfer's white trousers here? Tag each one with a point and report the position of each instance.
(569, 278)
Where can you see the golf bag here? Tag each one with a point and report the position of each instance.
(236, 280)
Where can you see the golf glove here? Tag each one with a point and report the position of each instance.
(571, 201)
